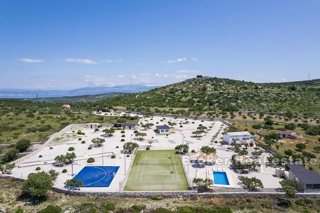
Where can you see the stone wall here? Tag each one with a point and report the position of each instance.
(182, 194)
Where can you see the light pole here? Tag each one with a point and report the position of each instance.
(102, 155)
(72, 169)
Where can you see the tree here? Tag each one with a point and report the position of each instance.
(10, 155)
(53, 173)
(109, 132)
(208, 150)
(59, 160)
(251, 183)
(288, 152)
(73, 184)
(7, 168)
(300, 146)
(147, 125)
(202, 185)
(182, 149)
(140, 135)
(98, 141)
(197, 133)
(201, 128)
(272, 137)
(289, 186)
(129, 147)
(290, 126)
(268, 121)
(23, 145)
(37, 184)
(69, 157)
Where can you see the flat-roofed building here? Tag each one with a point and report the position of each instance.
(237, 137)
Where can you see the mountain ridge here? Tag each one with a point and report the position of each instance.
(85, 91)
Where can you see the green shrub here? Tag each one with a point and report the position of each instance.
(23, 145)
(137, 208)
(64, 171)
(10, 155)
(51, 209)
(90, 160)
(156, 197)
(38, 168)
(71, 149)
(109, 207)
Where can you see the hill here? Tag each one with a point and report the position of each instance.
(86, 91)
(210, 94)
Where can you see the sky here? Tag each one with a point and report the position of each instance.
(66, 44)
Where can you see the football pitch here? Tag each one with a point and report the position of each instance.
(156, 171)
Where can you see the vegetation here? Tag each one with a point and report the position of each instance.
(51, 209)
(208, 150)
(202, 185)
(37, 184)
(7, 168)
(10, 189)
(182, 149)
(251, 183)
(109, 131)
(129, 147)
(90, 160)
(98, 141)
(73, 184)
(61, 160)
(10, 155)
(23, 145)
(289, 186)
(216, 96)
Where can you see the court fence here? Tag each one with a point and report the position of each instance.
(124, 181)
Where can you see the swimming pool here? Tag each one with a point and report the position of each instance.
(97, 176)
(220, 178)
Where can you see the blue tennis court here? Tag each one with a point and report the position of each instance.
(97, 176)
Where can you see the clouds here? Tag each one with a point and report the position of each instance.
(92, 61)
(142, 78)
(180, 60)
(176, 60)
(31, 60)
(108, 61)
(81, 60)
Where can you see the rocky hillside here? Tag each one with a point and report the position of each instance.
(208, 94)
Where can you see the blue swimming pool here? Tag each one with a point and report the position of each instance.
(220, 178)
(97, 176)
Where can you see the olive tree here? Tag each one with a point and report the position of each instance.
(37, 184)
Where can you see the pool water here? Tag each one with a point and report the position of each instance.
(220, 178)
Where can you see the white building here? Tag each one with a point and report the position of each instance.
(237, 137)
(163, 129)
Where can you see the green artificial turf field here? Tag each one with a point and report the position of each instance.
(156, 171)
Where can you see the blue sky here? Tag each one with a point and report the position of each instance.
(65, 44)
